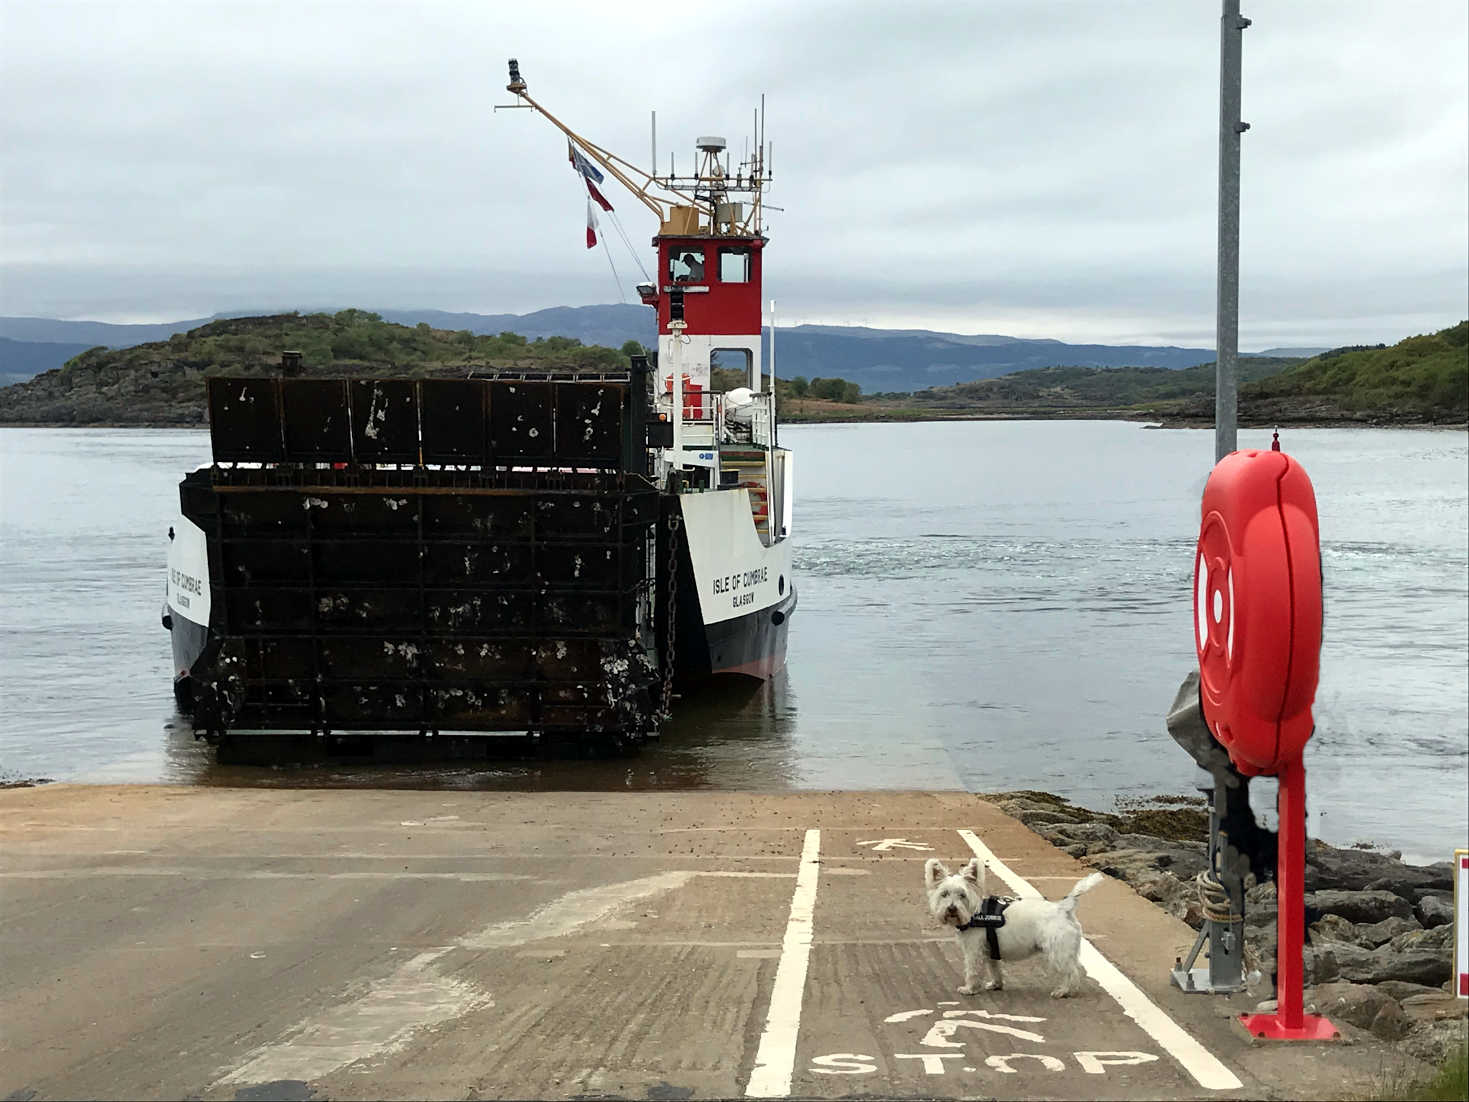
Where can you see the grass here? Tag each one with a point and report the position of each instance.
(1449, 1084)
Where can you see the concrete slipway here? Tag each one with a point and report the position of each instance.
(247, 943)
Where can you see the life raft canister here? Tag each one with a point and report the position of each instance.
(1257, 608)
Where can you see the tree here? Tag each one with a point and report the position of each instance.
(798, 386)
(633, 348)
(835, 390)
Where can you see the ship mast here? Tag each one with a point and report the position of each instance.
(683, 204)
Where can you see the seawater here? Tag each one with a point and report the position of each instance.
(983, 605)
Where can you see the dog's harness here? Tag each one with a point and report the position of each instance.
(990, 917)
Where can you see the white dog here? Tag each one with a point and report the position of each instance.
(1030, 926)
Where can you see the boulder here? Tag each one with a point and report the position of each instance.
(1137, 855)
(1439, 939)
(1020, 807)
(1335, 928)
(1165, 888)
(1359, 965)
(1261, 893)
(1434, 910)
(1373, 934)
(1357, 1003)
(1431, 1006)
(1080, 832)
(1260, 915)
(1355, 869)
(1359, 906)
(1130, 865)
(1391, 1023)
(1402, 989)
(1032, 817)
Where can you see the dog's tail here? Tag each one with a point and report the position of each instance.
(1085, 884)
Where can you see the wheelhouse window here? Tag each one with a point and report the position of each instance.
(734, 265)
(686, 266)
(730, 367)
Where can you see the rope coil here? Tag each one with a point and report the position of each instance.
(1214, 900)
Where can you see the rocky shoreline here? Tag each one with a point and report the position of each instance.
(1379, 952)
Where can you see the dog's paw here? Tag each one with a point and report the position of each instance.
(1061, 993)
(994, 985)
(969, 989)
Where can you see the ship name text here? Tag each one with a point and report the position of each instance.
(740, 586)
(183, 585)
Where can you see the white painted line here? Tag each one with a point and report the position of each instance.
(1194, 1058)
(775, 1059)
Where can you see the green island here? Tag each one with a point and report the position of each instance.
(1420, 380)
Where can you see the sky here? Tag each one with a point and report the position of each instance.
(1038, 168)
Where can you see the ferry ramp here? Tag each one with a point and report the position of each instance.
(253, 943)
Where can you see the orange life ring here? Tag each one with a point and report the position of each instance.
(1257, 608)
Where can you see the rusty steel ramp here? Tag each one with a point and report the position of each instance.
(429, 557)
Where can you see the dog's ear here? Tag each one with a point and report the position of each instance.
(973, 872)
(934, 873)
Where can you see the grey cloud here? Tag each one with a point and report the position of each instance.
(1045, 168)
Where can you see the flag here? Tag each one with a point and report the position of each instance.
(581, 164)
(591, 226)
(589, 174)
(597, 195)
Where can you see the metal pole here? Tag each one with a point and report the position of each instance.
(1226, 390)
(1226, 939)
(774, 428)
(676, 392)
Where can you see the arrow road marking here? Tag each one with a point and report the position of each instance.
(882, 845)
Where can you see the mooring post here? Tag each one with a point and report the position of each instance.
(1226, 389)
(1226, 935)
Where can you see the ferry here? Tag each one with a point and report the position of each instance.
(542, 554)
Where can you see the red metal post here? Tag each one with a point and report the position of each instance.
(1290, 884)
(1290, 1022)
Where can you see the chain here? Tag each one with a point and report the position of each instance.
(673, 524)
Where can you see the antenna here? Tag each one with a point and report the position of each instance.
(762, 130)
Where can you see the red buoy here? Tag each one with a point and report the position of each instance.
(1257, 608)
(1257, 630)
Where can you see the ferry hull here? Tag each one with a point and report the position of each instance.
(736, 595)
(753, 645)
(186, 605)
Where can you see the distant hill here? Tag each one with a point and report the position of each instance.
(881, 362)
(92, 333)
(19, 360)
(1422, 378)
(1302, 353)
(1063, 389)
(877, 359)
(162, 382)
